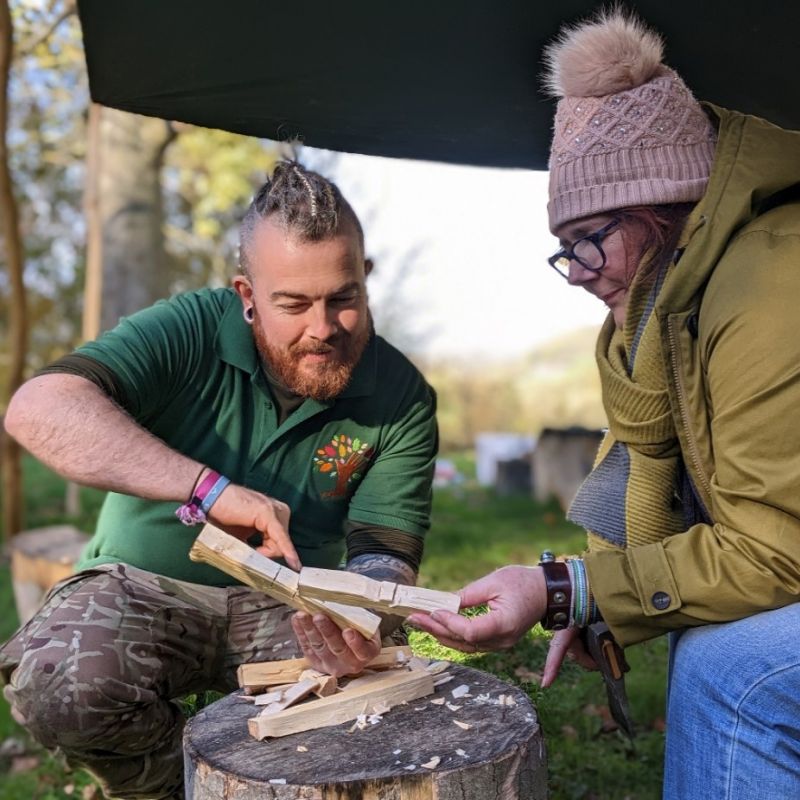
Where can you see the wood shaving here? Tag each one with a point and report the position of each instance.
(461, 753)
(360, 723)
(433, 763)
(374, 719)
(460, 691)
(397, 752)
(278, 781)
(463, 725)
(410, 766)
(302, 748)
(507, 700)
(418, 663)
(453, 706)
(443, 679)
(381, 708)
(436, 667)
(438, 701)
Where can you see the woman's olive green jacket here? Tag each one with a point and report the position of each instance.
(730, 329)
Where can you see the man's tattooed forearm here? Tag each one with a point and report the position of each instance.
(383, 568)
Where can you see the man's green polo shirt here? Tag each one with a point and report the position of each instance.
(190, 374)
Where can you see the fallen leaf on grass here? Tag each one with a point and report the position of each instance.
(524, 674)
(609, 724)
(23, 764)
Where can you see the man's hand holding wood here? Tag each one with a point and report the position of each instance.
(332, 650)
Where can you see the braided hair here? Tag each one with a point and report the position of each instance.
(309, 206)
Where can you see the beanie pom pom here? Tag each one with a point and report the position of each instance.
(612, 53)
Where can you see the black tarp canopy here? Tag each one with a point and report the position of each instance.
(447, 80)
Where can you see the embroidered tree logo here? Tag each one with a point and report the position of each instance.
(342, 459)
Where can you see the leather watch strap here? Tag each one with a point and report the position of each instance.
(559, 592)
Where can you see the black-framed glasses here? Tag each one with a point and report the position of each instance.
(587, 251)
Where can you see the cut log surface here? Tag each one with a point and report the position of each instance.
(225, 552)
(495, 753)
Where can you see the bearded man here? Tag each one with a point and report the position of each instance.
(273, 410)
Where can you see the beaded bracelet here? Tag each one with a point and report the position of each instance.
(203, 497)
(584, 608)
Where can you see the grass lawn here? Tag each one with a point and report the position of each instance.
(473, 532)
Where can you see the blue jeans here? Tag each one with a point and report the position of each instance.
(733, 710)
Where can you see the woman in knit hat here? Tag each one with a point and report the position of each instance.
(684, 219)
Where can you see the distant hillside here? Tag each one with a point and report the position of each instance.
(556, 385)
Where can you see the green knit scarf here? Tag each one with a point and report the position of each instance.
(629, 497)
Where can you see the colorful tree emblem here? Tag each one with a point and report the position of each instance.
(342, 459)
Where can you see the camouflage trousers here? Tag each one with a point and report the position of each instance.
(96, 672)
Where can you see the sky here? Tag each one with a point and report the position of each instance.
(479, 285)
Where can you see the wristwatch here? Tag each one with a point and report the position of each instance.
(559, 592)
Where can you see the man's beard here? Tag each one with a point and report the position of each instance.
(320, 381)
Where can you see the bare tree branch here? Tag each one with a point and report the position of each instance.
(26, 48)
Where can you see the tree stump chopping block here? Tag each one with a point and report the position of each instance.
(40, 558)
(497, 753)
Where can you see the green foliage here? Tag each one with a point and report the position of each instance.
(209, 178)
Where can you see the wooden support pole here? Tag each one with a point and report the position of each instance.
(227, 553)
(360, 590)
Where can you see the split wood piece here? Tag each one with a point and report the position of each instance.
(267, 698)
(394, 689)
(223, 551)
(298, 692)
(365, 679)
(326, 684)
(354, 589)
(275, 673)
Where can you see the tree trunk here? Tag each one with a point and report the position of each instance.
(128, 205)
(415, 752)
(17, 302)
(126, 265)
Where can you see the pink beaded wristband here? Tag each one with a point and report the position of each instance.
(203, 497)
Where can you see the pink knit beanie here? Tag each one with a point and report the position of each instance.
(627, 131)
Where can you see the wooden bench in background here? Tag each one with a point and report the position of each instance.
(39, 559)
